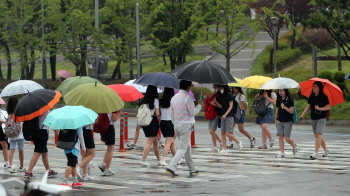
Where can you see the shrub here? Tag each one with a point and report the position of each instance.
(326, 75)
(283, 58)
(197, 92)
(319, 38)
(281, 46)
(339, 76)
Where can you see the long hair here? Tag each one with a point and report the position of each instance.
(268, 92)
(286, 91)
(224, 96)
(238, 88)
(151, 94)
(165, 101)
(11, 105)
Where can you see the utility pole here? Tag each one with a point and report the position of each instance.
(44, 77)
(138, 40)
(314, 60)
(97, 28)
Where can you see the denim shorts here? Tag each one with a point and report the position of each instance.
(20, 143)
(241, 120)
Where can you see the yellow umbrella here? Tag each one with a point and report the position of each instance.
(254, 81)
(238, 84)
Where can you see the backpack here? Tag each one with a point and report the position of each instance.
(295, 115)
(12, 129)
(259, 106)
(209, 110)
(67, 139)
(102, 124)
(31, 129)
(144, 117)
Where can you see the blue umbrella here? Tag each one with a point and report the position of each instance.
(347, 77)
(159, 79)
(70, 117)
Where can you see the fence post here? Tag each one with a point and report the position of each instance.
(159, 131)
(121, 144)
(126, 137)
(193, 142)
(56, 139)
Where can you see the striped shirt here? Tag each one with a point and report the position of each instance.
(182, 108)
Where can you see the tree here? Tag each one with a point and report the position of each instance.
(239, 27)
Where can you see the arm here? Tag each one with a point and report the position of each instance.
(172, 113)
(242, 105)
(290, 110)
(157, 112)
(217, 104)
(82, 142)
(305, 111)
(115, 116)
(228, 110)
(191, 108)
(325, 108)
(276, 115)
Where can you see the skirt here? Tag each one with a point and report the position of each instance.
(267, 117)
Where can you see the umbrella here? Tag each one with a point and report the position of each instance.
(280, 83)
(191, 94)
(238, 84)
(254, 81)
(127, 93)
(203, 72)
(159, 79)
(64, 74)
(333, 92)
(70, 117)
(73, 82)
(98, 97)
(2, 101)
(20, 87)
(140, 88)
(35, 104)
(347, 77)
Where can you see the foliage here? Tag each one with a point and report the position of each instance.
(283, 58)
(339, 76)
(317, 37)
(197, 92)
(326, 75)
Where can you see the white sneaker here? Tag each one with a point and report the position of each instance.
(102, 167)
(144, 163)
(182, 159)
(280, 155)
(240, 145)
(108, 172)
(22, 169)
(272, 142)
(92, 166)
(13, 170)
(314, 156)
(79, 173)
(162, 163)
(6, 166)
(87, 177)
(223, 151)
(326, 153)
(221, 147)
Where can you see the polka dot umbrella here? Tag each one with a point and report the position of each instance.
(20, 87)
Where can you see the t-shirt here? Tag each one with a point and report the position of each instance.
(273, 96)
(165, 114)
(283, 115)
(76, 148)
(110, 117)
(239, 98)
(321, 101)
(227, 105)
(156, 105)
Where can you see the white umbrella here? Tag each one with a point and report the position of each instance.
(140, 88)
(280, 83)
(20, 87)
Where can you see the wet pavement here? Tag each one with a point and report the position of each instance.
(246, 172)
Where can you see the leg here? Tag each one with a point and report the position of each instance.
(148, 145)
(108, 156)
(267, 131)
(5, 150)
(33, 161)
(137, 133)
(214, 137)
(281, 143)
(21, 157)
(68, 171)
(83, 154)
(234, 124)
(232, 137)
(323, 144)
(156, 149)
(243, 131)
(45, 159)
(290, 141)
(173, 148)
(223, 139)
(12, 151)
(319, 138)
(168, 143)
(74, 172)
(263, 134)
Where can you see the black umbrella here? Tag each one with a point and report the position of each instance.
(159, 79)
(35, 104)
(203, 72)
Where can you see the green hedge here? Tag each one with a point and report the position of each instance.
(284, 57)
(281, 46)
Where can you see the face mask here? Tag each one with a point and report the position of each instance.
(222, 91)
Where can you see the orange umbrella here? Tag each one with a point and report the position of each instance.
(333, 92)
(126, 92)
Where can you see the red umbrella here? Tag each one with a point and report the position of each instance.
(64, 74)
(333, 92)
(126, 92)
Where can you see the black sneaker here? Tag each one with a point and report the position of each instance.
(171, 172)
(52, 174)
(252, 142)
(194, 173)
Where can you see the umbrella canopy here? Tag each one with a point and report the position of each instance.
(2, 101)
(191, 94)
(64, 74)
(35, 104)
(203, 72)
(333, 92)
(280, 83)
(127, 93)
(238, 84)
(140, 88)
(98, 97)
(347, 77)
(73, 82)
(254, 81)
(160, 79)
(70, 117)
(20, 87)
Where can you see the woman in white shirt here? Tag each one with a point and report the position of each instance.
(3, 143)
(151, 131)
(166, 125)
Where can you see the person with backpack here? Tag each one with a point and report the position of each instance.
(4, 144)
(87, 155)
(72, 156)
(284, 120)
(40, 145)
(108, 136)
(151, 130)
(239, 98)
(226, 104)
(15, 129)
(213, 118)
(266, 117)
(319, 104)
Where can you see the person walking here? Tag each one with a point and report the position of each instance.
(19, 139)
(266, 118)
(87, 154)
(213, 124)
(151, 131)
(227, 117)
(182, 113)
(319, 104)
(284, 120)
(166, 126)
(239, 98)
(4, 144)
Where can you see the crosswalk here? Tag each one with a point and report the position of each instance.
(214, 167)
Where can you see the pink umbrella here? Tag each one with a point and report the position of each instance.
(2, 101)
(191, 94)
(64, 74)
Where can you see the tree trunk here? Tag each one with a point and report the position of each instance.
(207, 34)
(77, 70)
(293, 40)
(271, 61)
(131, 65)
(32, 66)
(117, 70)
(164, 59)
(184, 59)
(9, 64)
(83, 56)
(26, 65)
(53, 60)
(172, 62)
(217, 29)
(339, 58)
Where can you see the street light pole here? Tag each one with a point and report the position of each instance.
(138, 40)
(97, 28)
(274, 49)
(44, 74)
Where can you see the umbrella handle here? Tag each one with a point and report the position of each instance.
(200, 98)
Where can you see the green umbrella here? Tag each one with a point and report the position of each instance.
(70, 117)
(70, 83)
(98, 97)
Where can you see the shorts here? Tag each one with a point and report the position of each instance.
(88, 139)
(20, 143)
(242, 119)
(167, 128)
(72, 160)
(2, 134)
(152, 129)
(267, 117)
(227, 124)
(109, 136)
(41, 143)
(213, 124)
(318, 125)
(284, 128)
